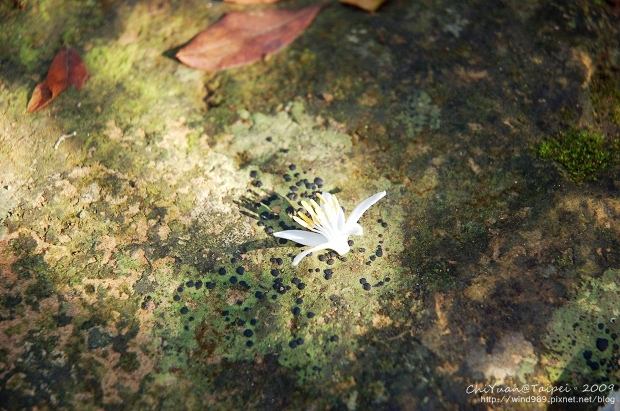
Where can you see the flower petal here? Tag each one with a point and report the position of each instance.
(304, 253)
(354, 229)
(302, 237)
(361, 208)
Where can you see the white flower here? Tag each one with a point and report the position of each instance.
(327, 225)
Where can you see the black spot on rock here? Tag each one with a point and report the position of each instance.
(602, 344)
(328, 273)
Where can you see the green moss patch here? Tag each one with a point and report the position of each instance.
(581, 154)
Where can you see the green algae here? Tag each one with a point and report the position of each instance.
(439, 275)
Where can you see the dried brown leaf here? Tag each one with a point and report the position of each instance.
(368, 5)
(66, 69)
(241, 38)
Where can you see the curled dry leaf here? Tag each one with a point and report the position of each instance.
(67, 68)
(368, 5)
(241, 38)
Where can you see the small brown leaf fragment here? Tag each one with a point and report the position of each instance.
(241, 38)
(247, 2)
(66, 69)
(368, 5)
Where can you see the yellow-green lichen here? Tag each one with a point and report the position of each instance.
(419, 115)
(582, 337)
(36, 30)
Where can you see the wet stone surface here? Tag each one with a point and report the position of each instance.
(138, 266)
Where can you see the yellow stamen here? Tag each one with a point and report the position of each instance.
(315, 206)
(300, 222)
(304, 220)
(314, 211)
(318, 211)
(336, 204)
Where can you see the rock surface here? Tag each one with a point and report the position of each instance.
(138, 269)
